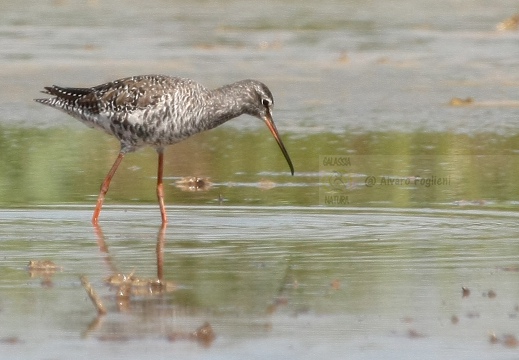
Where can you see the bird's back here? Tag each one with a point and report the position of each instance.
(138, 110)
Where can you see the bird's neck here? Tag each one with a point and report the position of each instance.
(224, 104)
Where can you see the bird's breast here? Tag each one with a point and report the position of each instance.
(156, 127)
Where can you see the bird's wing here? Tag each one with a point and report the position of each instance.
(128, 94)
(137, 92)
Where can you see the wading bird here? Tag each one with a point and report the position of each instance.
(156, 111)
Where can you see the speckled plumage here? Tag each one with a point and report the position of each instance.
(155, 110)
(158, 110)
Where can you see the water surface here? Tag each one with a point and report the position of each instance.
(287, 281)
(357, 257)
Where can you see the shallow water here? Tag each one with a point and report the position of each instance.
(399, 198)
(289, 281)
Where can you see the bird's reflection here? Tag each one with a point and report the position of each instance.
(160, 252)
(121, 283)
(129, 285)
(103, 247)
(132, 294)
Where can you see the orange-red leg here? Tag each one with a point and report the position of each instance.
(160, 188)
(104, 188)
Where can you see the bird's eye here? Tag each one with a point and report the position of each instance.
(266, 102)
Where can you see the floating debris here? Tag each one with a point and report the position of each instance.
(335, 284)
(465, 292)
(194, 183)
(461, 102)
(11, 340)
(343, 57)
(265, 45)
(96, 300)
(204, 335)
(510, 341)
(413, 334)
(266, 184)
(507, 340)
(46, 265)
(407, 319)
(44, 269)
(510, 268)
(280, 300)
(491, 294)
(493, 338)
(454, 319)
(119, 279)
(512, 23)
(132, 285)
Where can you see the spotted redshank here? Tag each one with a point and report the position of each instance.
(157, 111)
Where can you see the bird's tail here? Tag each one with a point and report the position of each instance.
(68, 94)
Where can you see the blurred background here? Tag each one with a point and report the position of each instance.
(348, 77)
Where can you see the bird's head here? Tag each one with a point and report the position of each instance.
(260, 103)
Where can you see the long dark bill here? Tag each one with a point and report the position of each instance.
(274, 131)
